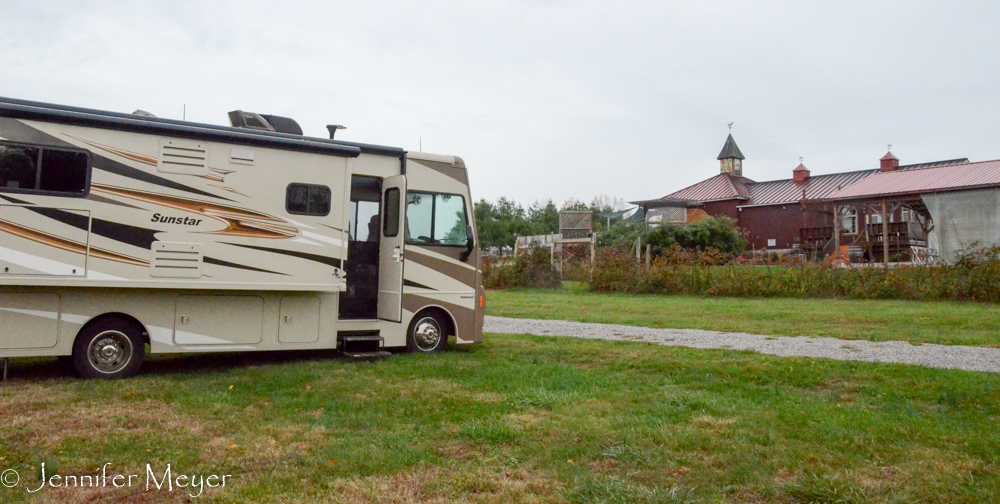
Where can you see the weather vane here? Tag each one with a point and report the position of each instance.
(800, 159)
(890, 146)
(731, 126)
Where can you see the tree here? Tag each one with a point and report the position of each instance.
(544, 217)
(499, 224)
(604, 203)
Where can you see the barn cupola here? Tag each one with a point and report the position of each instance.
(731, 159)
(888, 162)
(800, 174)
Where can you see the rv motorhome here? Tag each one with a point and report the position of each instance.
(119, 231)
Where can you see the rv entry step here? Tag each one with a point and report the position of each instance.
(361, 344)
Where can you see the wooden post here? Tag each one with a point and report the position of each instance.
(593, 249)
(5, 359)
(647, 257)
(885, 235)
(562, 256)
(638, 244)
(836, 234)
(593, 255)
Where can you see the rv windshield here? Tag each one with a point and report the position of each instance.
(435, 219)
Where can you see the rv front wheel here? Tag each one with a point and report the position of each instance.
(108, 349)
(426, 334)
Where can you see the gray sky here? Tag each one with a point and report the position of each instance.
(545, 98)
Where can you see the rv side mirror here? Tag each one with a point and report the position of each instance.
(470, 243)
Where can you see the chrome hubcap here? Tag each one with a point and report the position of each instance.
(427, 334)
(110, 351)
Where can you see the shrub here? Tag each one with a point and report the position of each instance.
(976, 278)
(529, 269)
(720, 234)
(622, 235)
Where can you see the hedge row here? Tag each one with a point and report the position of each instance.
(976, 277)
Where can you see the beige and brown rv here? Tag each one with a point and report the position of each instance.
(119, 231)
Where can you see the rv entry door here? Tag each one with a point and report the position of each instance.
(390, 268)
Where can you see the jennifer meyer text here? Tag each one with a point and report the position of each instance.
(154, 480)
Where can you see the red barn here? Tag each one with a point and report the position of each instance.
(787, 214)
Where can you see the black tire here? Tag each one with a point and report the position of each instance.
(426, 334)
(109, 349)
(65, 363)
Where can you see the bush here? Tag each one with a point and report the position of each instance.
(709, 233)
(975, 278)
(528, 269)
(622, 235)
(720, 234)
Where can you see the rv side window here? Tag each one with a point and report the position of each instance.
(391, 226)
(307, 199)
(435, 219)
(36, 168)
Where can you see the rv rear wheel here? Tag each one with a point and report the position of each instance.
(108, 349)
(426, 334)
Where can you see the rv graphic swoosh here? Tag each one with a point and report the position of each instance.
(238, 221)
(151, 161)
(329, 261)
(214, 174)
(67, 245)
(124, 233)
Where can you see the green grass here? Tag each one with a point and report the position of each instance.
(946, 323)
(515, 419)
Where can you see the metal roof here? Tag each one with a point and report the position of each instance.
(923, 180)
(816, 187)
(664, 202)
(777, 192)
(730, 150)
(719, 187)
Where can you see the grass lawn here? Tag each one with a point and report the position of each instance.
(515, 419)
(946, 323)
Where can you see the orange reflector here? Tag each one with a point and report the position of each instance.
(480, 301)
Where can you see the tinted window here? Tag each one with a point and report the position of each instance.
(307, 199)
(391, 211)
(436, 219)
(63, 171)
(40, 168)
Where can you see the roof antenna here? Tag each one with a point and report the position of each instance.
(731, 126)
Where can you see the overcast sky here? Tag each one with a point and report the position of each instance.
(544, 99)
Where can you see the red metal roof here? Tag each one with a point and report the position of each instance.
(923, 180)
(719, 187)
(777, 192)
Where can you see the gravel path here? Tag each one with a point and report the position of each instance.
(897, 352)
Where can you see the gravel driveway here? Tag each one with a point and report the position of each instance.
(897, 352)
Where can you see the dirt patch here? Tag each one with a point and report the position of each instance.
(439, 485)
(710, 422)
(49, 420)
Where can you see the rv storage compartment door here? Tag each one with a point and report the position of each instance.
(299, 319)
(28, 320)
(390, 257)
(43, 241)
(218, 320)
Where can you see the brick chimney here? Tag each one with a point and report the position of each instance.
(889, 162)
(800, 174)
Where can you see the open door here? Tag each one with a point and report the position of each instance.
(390, 271)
